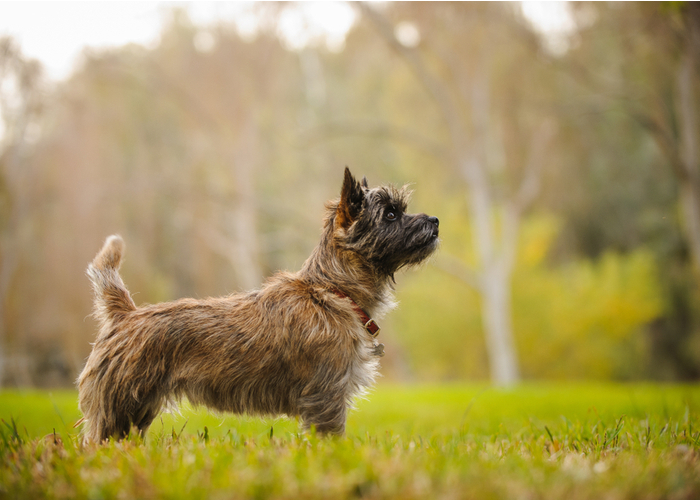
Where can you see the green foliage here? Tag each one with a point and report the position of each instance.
(585, 318)
(580, 319)
(541, 441)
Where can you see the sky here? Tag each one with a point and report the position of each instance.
(56, 32)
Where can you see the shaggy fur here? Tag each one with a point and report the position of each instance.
(294, 347)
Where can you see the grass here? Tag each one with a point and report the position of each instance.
(572, 441)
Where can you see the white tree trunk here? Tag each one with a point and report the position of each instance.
(495, 269)
(243, 219)
(232, 231)
(496, 315)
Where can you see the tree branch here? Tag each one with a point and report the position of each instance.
(433, 85)
(530, 185)
(378, 130)
(458, 269)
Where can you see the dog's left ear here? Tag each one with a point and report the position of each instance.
(351, 198)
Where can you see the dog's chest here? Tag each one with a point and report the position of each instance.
(363, 369)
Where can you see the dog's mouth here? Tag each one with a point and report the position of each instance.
(434, 226)
(434, 229)
(433, 241)
(427, 241)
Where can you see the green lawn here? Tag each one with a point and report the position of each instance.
(603, 441)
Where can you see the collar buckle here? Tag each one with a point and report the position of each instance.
(372, 328)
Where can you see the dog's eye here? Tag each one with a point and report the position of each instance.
(390, 216)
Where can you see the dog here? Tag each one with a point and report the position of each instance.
(302, 345)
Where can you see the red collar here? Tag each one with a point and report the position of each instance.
(370, 325)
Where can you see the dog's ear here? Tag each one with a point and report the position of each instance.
(364, 183)
(351, 198)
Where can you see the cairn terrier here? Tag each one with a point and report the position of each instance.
(303, 345)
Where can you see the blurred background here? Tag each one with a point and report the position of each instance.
(557, 143)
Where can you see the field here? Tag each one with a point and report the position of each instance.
(569, 441)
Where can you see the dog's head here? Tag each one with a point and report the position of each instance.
(375, 224)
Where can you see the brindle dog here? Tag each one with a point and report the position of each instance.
(302, 345)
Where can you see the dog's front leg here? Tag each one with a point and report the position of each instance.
(326, 412)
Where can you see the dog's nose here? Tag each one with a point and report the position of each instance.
(434, 220)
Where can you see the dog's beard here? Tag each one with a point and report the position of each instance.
(411, 249)
(425, 245)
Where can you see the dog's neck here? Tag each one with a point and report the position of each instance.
(334, 268)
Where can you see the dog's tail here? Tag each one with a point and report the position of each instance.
(112, 298)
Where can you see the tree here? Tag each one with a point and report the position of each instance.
(461, 62)
(639, 61)
(21, 106)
